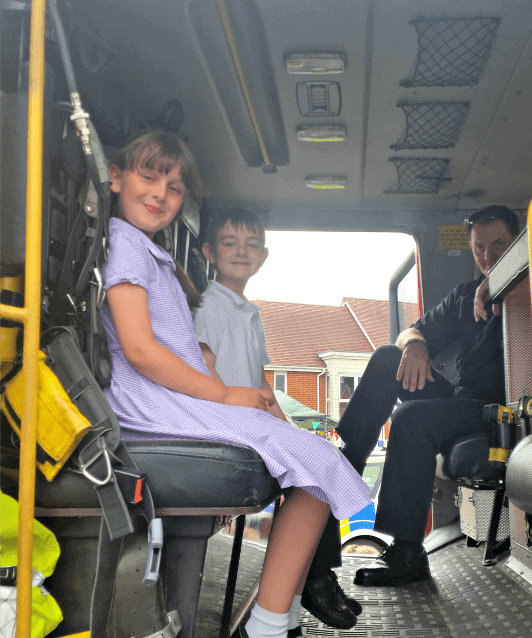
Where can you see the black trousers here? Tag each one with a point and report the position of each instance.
(425, 424)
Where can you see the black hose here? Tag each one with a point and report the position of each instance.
(63, 47)
(63, 106)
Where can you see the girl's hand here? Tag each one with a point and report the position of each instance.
(247, 397)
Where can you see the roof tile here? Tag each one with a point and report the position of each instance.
(296, 333)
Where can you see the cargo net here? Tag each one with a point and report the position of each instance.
(452, 52)
(432, 124)
(419, 175)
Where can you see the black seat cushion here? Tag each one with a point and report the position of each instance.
(468, 459)
(180, 474)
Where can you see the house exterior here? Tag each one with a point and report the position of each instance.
(318, 353)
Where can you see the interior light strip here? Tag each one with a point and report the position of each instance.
(315, 63)
(334, 133)
(326, 183)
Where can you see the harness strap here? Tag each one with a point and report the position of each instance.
(104, 581)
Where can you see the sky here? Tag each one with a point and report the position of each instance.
(323, 267)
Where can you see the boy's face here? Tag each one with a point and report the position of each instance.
(238, 254)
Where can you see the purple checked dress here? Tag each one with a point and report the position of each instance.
(146, 409)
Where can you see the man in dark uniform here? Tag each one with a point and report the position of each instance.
(435, 412)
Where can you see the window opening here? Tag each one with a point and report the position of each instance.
(348, 383)
(280, 381)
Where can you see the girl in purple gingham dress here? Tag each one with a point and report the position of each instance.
(161, 388)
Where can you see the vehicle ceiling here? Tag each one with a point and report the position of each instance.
(164, 49)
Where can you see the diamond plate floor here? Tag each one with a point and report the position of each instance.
(464, 599)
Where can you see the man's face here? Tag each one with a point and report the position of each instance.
(488, 243)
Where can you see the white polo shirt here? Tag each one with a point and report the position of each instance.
(233, 330)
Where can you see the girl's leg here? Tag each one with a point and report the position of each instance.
(293, 540)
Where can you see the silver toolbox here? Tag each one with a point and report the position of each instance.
(476, 507)
(521, 539)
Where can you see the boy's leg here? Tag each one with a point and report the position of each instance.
(322, 595)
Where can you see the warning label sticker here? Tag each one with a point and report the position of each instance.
(453, 238)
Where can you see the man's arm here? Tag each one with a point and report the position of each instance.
(414, 369)
(275, 408)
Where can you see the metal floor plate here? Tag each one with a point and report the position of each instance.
(464, 599)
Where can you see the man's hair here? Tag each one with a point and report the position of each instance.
(492, 213)
(237, 217)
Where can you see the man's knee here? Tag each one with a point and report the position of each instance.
(387, 353)
(384, 360)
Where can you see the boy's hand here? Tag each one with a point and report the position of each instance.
(248, 397)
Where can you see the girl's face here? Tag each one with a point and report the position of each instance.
(148, 200)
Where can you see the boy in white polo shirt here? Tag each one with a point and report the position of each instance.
(231, 336)
(228, 326)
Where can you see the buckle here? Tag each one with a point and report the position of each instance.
(155, 545)
(100, 292)
(109, 468)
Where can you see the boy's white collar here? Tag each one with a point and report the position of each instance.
(230, 293)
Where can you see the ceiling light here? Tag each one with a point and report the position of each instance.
(326, 183)
(315, 63)
(333, 133)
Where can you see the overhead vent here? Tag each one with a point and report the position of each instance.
(318, 99)
(452, 51)
(432, 124)
(419, 175)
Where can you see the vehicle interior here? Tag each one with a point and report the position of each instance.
(374, 116)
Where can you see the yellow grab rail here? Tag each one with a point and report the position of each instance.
(30, 317)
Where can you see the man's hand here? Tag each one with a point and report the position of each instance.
(248, 397)
(481, 297)
(414, 368)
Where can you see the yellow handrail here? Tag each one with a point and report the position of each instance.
(30, 317)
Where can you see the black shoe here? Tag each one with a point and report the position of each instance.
(295, 633)
(325, 600)
(398, 564)
(241, 632)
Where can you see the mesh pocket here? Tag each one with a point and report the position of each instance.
(419, 175)
(432, 124)
(452, 51)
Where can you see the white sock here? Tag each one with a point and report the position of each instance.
(263, 623)
(293, 612)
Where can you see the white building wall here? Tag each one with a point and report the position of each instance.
(340, 364)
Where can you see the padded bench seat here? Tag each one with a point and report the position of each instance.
(194, 484)
(181, 474)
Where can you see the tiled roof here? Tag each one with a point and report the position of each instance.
(373, 316)
(296, 333)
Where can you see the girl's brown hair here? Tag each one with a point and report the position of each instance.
(160, 151)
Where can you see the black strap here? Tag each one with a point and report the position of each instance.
(104, 581)
(114, 509)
